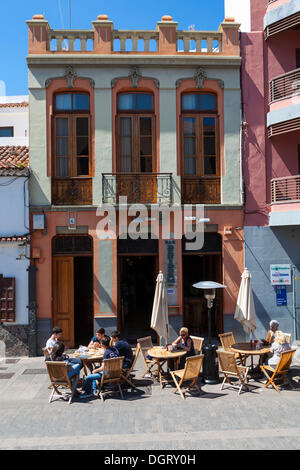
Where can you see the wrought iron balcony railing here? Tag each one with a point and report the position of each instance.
(197, 190)
(144, 188)
(285, 189)
(285, 86)
(72, 191)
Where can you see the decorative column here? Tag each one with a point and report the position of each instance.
(167, 35)
(37, 37)
(103, 38)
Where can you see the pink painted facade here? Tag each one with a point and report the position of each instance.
(271, 108)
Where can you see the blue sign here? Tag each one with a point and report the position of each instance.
(281, 296)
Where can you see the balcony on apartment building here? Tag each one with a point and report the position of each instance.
(281, 15)
(284, 115)
(285, 201)
(72, 191)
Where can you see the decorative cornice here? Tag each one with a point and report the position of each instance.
(70, 76)
(199, 77)
(134, 76)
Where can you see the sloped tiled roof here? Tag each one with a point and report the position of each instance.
(14, 160)
(23, 104)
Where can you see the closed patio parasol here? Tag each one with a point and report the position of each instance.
(160, 318)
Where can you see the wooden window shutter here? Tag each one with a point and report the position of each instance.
(7, 299)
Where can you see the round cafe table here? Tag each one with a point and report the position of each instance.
(161, 355)
(249, 349)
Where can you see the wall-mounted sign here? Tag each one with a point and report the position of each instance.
(281, 296)
(280, 274)
(171, 271)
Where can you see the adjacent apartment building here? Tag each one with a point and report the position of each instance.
(14, 226)
(270, 49)
(153, 116)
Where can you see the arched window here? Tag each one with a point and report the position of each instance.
(72, 141)
(199, 131)
(135, 133)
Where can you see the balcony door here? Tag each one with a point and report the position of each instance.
(71, 173)
(200, 166)
(136, 142)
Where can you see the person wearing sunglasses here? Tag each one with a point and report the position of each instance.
(185, 342)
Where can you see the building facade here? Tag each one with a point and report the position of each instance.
(153, 116)
(271, 106)
(14, 250)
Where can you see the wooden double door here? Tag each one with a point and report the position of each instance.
(72, 298)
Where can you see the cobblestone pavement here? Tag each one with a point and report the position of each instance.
(148, 419)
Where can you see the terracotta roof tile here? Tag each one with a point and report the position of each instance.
(12, 156)
(23, 104)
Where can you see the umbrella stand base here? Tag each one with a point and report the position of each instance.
(210, 364)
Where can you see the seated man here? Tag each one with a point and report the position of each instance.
(90, 383)
(123, 347)
(95, 341)
(55, 336)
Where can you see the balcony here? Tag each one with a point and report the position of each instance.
(143, 188)
(72, 191)
(284, 115)
(285, 189)
(285, 86)
(285, 201)
(281, 15)
(197, 190)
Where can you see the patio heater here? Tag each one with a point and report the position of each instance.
(210, 364)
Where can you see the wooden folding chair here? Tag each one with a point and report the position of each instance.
(230, 368)
(189, 373)
(280, 371)
(45, 352)
(127, 372)
(198, 342)
(144, 344)
(112, 374)
(58, 374)
(227, 340)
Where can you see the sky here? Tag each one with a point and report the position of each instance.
(135, 14)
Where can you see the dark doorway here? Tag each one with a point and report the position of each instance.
(83, 300)
(196, 268)
(137, 277)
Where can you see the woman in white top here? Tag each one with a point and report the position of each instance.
(280, 344)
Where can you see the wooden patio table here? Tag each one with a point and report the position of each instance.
(161, 355)
(89, 358)
(249, 349)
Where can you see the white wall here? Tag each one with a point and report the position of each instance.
(10, 266)
(240, 11)
(15, 117)
(14, 216)
(14, 220)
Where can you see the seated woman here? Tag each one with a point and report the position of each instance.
(274, 324)
(90, 383)
(185, 342)
(279, 345)
(74, 365)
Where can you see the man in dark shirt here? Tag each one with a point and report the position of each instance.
(123, 347)
(95, 341)
(90, 383)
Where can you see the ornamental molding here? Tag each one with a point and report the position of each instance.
(134, 76)
(200, 76)
(70, 76)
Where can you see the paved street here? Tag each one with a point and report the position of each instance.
(149, 419)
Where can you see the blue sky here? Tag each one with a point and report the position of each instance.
(140, 15)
